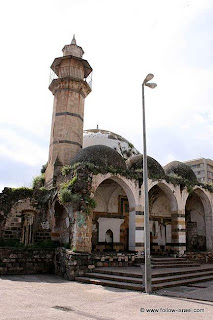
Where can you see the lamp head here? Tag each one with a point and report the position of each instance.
(149, 77)
(151, 85)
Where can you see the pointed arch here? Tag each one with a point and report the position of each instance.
(207, 228)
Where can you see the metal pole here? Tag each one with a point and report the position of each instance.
(148, 277)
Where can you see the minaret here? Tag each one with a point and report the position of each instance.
(70, 88)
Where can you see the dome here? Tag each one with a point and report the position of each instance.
(107, 138)
(180, 169)
(155, 170)
(101, 156)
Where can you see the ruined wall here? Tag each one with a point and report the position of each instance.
(15, 224)
(26, 261)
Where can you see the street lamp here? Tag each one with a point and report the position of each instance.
(148, 276)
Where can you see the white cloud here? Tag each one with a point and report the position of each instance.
(21, 149)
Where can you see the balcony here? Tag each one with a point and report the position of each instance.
(71, 72)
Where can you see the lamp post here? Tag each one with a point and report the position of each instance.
(148, 276)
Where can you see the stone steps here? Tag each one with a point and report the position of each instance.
(170, 263)
(184, 282)
(158, 274)
(155, 280)
(133, 280)
(177, 265)
(140, 287)
(109, 283)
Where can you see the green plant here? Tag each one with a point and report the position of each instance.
(43, 168)
(38, 197)
(66, 170)
(64, 195)
(38, 181)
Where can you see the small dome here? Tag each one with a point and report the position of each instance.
(107, 138)
(181, 170)
(155, 170)
(101, 156)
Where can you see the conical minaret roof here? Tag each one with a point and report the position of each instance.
(73, 49)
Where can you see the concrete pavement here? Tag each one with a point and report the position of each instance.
(50, 297)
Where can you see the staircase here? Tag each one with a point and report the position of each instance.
(166, 272)
(172, 262)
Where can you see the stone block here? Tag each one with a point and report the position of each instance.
(91, 266)
(14, 256)
(99, 264)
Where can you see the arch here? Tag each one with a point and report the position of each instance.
(60, 223)
(163, 221)
(127, 185)
(109, 236)
(99, 195)
(118, 191)
(205, 201)
(206, 231)
(115, 191)
(169, 193)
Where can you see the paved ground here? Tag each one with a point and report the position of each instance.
(202, 291)
(50, 297)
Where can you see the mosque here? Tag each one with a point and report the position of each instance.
(90, 196)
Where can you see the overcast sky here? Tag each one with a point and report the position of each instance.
(123, 40)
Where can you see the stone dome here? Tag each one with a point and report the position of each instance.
(101, 156)
(181, 170)
(107, 138)
(155, 170)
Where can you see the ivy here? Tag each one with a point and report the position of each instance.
(39, 197)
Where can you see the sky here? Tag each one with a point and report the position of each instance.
(123, 40)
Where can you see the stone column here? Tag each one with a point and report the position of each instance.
(82, 232)
(136, 231)
(178, 232)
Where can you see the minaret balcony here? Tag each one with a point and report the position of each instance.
(71, 72)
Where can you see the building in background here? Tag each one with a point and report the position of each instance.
(203, 169)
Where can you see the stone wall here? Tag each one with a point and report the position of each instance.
(70, 265)
(26, 261)
(206, 256)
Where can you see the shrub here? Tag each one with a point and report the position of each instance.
(66, 170)
(38, 181)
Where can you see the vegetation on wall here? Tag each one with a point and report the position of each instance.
(89, 169)
(182, 170)
(39, 197)
(38, 181)
(77, 189)
(43, 168)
